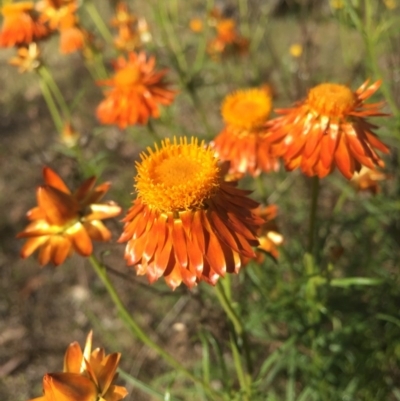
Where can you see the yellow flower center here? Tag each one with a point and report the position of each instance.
(247, 109)
(179, 176)
(331, 100)
(127, 76)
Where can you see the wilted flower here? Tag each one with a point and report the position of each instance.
(187, 224)
(137, 90)
(69, 136)
(329, 129)
(20, 25)
(64, 222)
(368, 180)
(27, 59)
(268, 235)
(242, 141)
(87, 376)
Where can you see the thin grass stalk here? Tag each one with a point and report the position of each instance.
(51, 105)
(140, 334)
(240, 332)
(98, 21)
(46, 75)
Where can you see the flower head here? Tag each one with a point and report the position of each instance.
(87, 376)
(268, 235)
(60, 15)
(64, 222)
(242, 141)
(136, 92)
(329, 129)
(227, 40)
(368, 180)
(27, 59)
(20, 25)
(187, 224)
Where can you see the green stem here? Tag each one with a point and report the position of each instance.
(55, 114)
(140, 334)
(240, 332)
(47, 77)
(98, 21)
(313, 213)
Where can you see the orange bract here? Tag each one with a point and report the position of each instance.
(20, 25)
(187, 224)
(242, 141)
(87, 376)
(329, 129)
(137, 90)
(64, 222)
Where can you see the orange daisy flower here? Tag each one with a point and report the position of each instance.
(87, 376)
(20, 26)
(137, 91)
(242, 141)
(64, 222)
(329, 129)
(187, 224)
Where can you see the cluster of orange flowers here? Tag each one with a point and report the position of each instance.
(87, 375)
(328, 129)
(27, 22)
(189, 222)
(132, 31)
(227, 40)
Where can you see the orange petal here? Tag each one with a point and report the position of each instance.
(68, 387)
(97, 230)
(179, 242)
(52, 179)
(80, 239)
(103, 211)
(58, 206)
(73, 358)
(343, 159)
(31, 245)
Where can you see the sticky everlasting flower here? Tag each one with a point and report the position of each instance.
(20, 26)
(242, 141)
(137, 91)
(187, 224)
(27, 59)
(368, 180)
(64, 222)
(87, 376)
(329, 129)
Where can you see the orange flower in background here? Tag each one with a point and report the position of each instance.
(187, 224)
(60, 15)
(27, 59)
(329, 129)
(64, 222)
(137, 91)
(87, 376)
(242, 141)
(20, 26)
(227, 40)
(368, 180)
